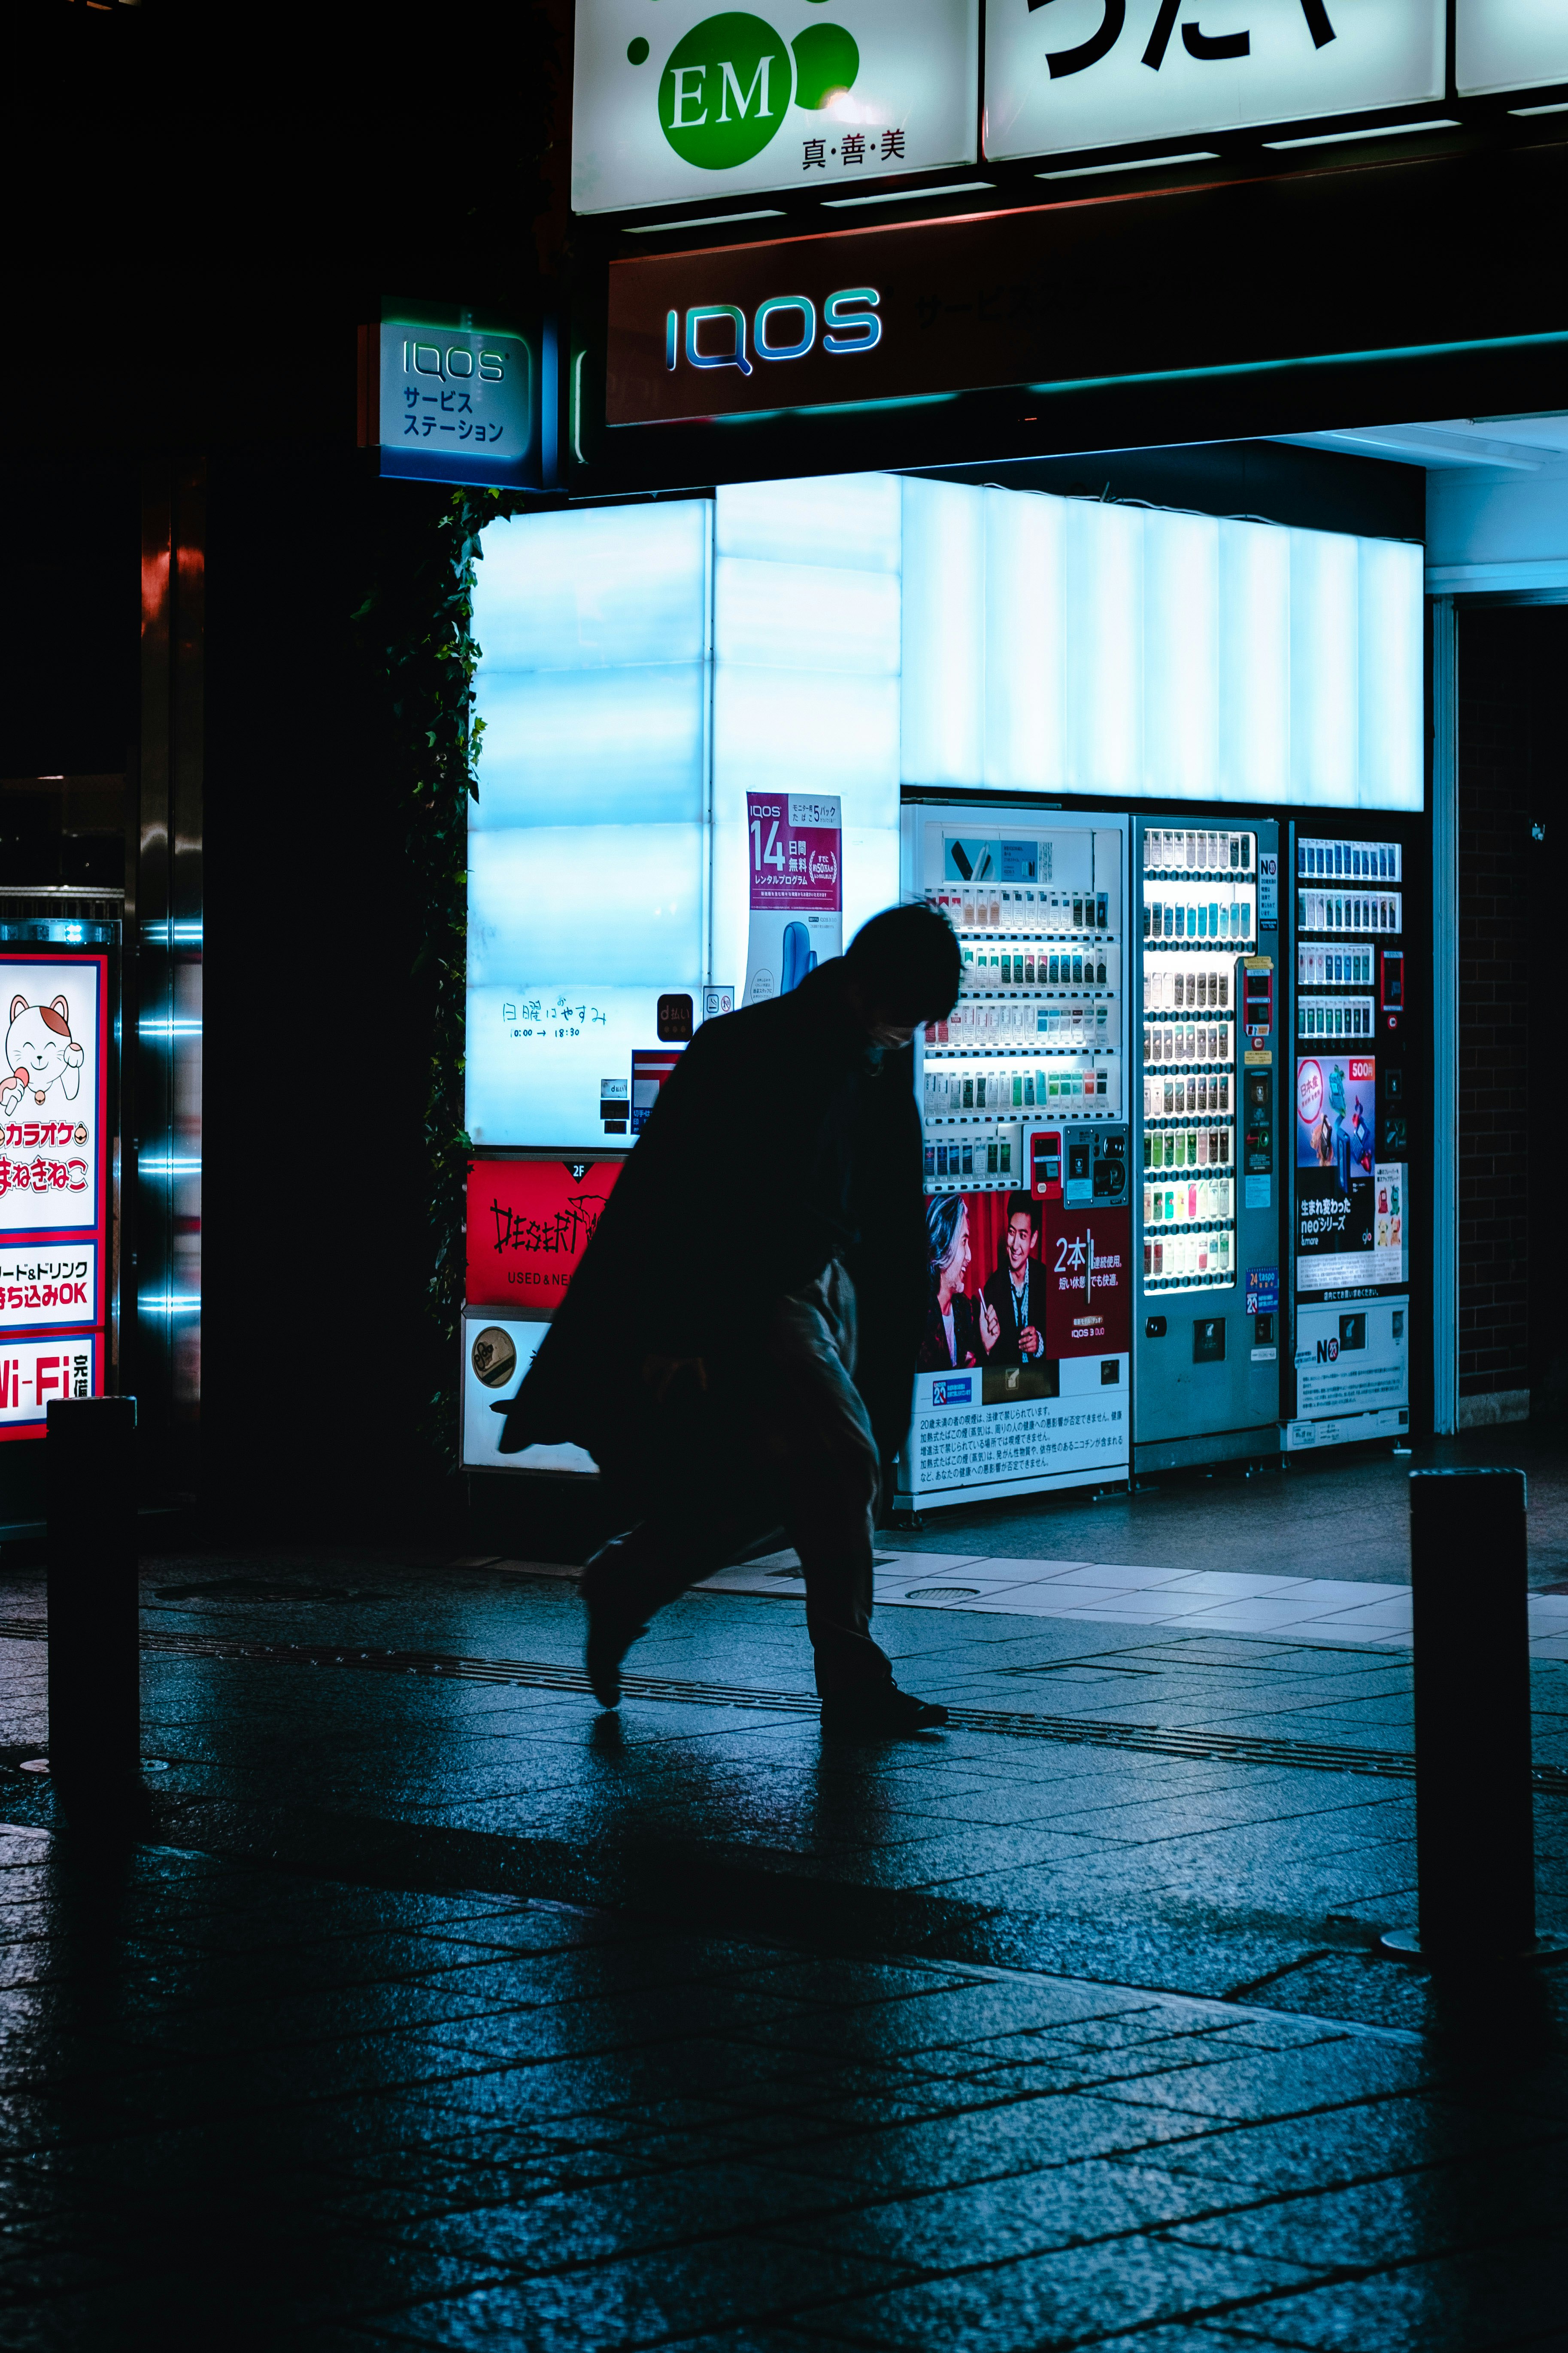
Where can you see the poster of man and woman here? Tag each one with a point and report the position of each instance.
(987, 1303)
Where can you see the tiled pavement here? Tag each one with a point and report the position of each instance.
(1200, 1600)
(434, 2009)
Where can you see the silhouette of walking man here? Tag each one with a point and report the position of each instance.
(737, 1345)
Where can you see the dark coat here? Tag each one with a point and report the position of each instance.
(999, 1291)
(967, 1343)
(780, 1141)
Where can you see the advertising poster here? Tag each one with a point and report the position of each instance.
(1336, 1158)
(529, 1222)
(33, 1373)
(56, 1285)
(1015, 1281)
(796, 870)
(1351, 1361)
(54, 1096)
(685, 101)
(1391, 1237)
(1021, 1371)
(497, 1353)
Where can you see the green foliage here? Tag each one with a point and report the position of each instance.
(415, 631)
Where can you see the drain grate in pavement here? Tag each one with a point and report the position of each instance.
(536, 1674)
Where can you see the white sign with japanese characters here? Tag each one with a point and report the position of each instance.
(51, 1098)
(679, 101)
(34, 1373)
(1064, 74)
(1510, 44)
(56, 1283)
(454, 398)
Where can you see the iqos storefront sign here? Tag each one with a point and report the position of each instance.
(674, 100)
(784, 327)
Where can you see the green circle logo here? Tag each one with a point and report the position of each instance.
(826, 62)
(725, 90)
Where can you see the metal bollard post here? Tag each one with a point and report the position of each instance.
(95, 1665)
(1474, 1829)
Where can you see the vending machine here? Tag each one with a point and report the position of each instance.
(1207, 1161)
(1022, 1384)
(1349, 1375)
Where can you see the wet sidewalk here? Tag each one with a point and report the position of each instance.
(438, 2009)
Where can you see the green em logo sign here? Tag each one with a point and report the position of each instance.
(729, 82)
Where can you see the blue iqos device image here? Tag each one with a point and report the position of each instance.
(799, 957)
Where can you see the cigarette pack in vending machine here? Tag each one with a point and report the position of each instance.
(1206, 1374)
(1023, 1375)
(1348, 1375)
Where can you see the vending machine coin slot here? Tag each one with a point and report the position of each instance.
(1392, 990)
(1046, 1164)
(1208, 1340)
(1078, 1189)
(1155, 1327)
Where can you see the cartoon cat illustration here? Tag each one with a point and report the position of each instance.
(40, 1052)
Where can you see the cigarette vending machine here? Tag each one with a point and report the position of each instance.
(1206, 1165)
(1023, 1373)
(1348, 1375)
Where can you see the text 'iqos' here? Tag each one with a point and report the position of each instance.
(781, 328)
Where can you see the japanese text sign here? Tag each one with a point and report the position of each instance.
(795, 860)
(53, 1097)
(1094, 73)
(687, 102)
(795, 852)
(529, 1222)
(453, 406)
(34, 1373)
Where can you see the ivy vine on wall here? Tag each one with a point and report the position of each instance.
(416, 631)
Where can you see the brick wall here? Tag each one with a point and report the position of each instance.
(1511, 665)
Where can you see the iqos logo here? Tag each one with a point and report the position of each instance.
(785, 327)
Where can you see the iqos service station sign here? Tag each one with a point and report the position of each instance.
(673, 101)
(1065, 74)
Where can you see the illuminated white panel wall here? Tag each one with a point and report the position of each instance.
(1181, 655)
(1391, 655)
(1324, 668)
(945, 616)
(1124, 652)
(587, 847)
(1104, 647)
(1254, 663)
(1026, 553)
(805, 679)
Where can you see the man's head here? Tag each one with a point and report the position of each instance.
(1020, 1232)
(904, 968)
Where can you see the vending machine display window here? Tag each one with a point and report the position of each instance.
(1199, 918)
(1037, 1032)
(1350, 1193)
(1022, 1382)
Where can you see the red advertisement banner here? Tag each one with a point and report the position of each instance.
(529, 1222)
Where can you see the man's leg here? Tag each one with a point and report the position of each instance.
(815, 1428)
(701, 1512)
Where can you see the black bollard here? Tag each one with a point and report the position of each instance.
(1474, 1829)
(95, 1664)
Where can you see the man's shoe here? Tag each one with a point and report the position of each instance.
(611, 1634)
(880, 1711)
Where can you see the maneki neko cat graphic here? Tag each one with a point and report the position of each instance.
(40, 1053)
